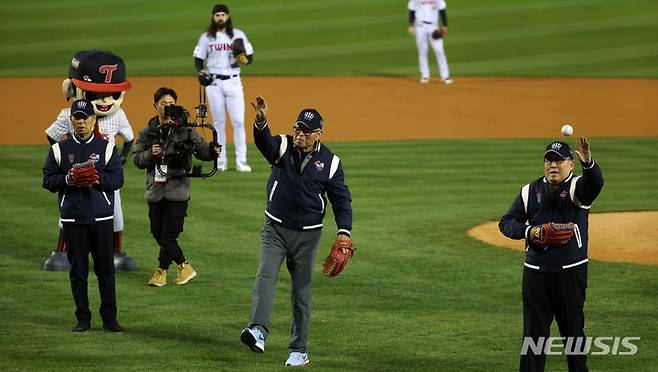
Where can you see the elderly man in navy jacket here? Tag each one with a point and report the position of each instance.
(555, 276)
(303, 170)
(86, 211)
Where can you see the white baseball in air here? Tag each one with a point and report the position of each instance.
(567, 130)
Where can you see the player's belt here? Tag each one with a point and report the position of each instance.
(223, 77)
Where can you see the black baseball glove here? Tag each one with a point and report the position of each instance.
(205, 79)
(239, 51)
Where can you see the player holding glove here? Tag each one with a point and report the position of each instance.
(303, 172)
(85, 170)
(83, 174)
(551, 214)
(341, 252)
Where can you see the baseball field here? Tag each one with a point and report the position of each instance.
(428, 167)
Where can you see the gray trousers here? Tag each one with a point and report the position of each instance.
(298, 248)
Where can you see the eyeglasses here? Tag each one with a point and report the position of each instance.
(307, 133)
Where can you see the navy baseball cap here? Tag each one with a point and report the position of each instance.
(82, 106)
(310, 118)
(98, 71)
(558, 150)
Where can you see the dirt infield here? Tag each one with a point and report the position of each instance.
(398, 108)
(384, 108)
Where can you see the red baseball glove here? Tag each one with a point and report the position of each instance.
(84, 174)
(554, 234)
(341, 251)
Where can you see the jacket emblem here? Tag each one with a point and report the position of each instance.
(94, 157)
(71, 158)
(564, 194)
(319, 165)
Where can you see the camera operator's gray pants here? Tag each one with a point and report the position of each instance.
(298, 248)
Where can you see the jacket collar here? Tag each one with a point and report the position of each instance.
(78, 141)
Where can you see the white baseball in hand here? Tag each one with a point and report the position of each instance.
(567, 130)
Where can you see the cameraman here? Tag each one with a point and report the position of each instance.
(169, 142)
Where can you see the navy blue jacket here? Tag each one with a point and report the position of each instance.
(295, 196)
(534, 207)
(84, 205)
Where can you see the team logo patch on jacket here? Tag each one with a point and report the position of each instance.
(319, 165)
(94, 157)
(71, 158)
(564, 194)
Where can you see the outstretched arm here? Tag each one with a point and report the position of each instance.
(272, 147)
(590, 184)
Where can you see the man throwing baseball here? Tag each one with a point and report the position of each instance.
(303, 170)
(551, 214)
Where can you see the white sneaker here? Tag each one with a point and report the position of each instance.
(297, 359)
(253, 338)
(222, 167)
(242, 167)
(447, 81)
(424, 80)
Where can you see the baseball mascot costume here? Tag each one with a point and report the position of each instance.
(99, 77)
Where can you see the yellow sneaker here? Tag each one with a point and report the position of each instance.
(159, 278)
(185, 273)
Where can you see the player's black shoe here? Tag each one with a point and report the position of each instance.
(82, 326)
(113, 327)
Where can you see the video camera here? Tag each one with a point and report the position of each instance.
(179, 143)
(177, 114)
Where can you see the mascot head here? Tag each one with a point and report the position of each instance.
(99, 77)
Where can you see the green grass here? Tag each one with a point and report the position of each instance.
(603, 38)
(418, 295)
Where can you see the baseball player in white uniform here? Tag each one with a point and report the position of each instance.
(424, 26)
(110, 126)
(222, 73)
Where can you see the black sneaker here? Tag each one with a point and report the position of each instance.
(82, 326)
(113, 327)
